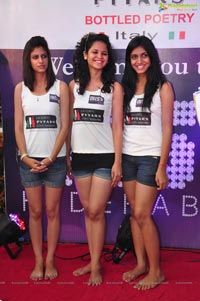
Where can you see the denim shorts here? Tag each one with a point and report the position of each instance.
(54, 176)
(104, 173)
(140, 168)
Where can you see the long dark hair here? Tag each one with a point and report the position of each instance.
(28, 73)
(155, 76)
(81, 70)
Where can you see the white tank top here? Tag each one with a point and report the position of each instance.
(42, 121)
(91, 129)
(143, 130)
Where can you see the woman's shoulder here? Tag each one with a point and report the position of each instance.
(117, 83)
(166, 86)
(62, 82)
(63, 85)
(18, 87)
(59, 86)
(117, 86)
(19, 90)
(72, 84)
(167, 91)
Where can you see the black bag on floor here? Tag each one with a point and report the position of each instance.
(124, 241)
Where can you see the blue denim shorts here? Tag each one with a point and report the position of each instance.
(140, 168)
(53, 177)
(104, 173)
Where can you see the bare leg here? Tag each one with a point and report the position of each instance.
(53, 196)
(100, 190)
(145, 236)
(141, 267)
(34, 195)
(145, 198)
(83, 187)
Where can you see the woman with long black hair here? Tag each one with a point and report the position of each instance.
(148, 109)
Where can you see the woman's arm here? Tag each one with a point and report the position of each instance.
(19, 120)
(117, 125)
(19, 131)
(64, 120)
(167, 103)
(68, 141)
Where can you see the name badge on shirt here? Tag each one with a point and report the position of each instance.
(138, 118)
(139, 102)
(54, 98)
(41, 122)
(96, 99)
(89, 115)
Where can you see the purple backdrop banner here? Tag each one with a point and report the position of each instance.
(176, 211)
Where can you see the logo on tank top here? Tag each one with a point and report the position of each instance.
(96, 99)
(41, 122)
(138, 118)
(139, 102)
(54, 98)
(88, 115)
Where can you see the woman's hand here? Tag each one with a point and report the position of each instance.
(69, 167)
(37, 166)
(161, 178)
(116, 174)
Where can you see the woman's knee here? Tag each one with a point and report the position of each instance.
(35, 214)
(52, 212)
(95, 215)
(140, 217)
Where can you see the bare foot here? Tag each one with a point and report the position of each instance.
(37, 273)
(134, 274)
(50, 271)
(150, 281)
(95, 277)
(83, 270)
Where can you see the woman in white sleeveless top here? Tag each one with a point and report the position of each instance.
(41, 126)
(148, 104)
(96, 102)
